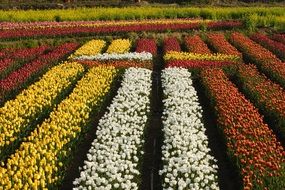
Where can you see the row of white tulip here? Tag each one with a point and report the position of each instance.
(143, 56)
(187, 162)
(114, 158)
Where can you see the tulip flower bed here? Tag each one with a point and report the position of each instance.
(171, 44)
(136, 26)
(16, 59)
(252, 145)
(195, 44)
(146, 45)
(201, 57)
(27, 53)
(186, 155)
(18, 78)
(19, 116)
(70, 24)
(264, 59)
(197, 63)
(118, 55)
(279, 38)
(143, 56)
(267, 96)
(115, 157)
(4, 64)
(119, 46)
(198, 60)
(52, 142)
(92, 47)
(276, 47)
(5, 51)
(159, 132)
(221, 45)
(119, 63)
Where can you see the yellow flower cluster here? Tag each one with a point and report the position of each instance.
(173, 55)
(119, 46)
(17, 115)
(39, 162)
(92, 47)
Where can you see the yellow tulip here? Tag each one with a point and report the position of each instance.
(38, 155)
(119, 46)
(173, 55)
(92, 47)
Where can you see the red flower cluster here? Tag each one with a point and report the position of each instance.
(196, 45)
(171, 44)
(4, 63)
(28, 53)
(279, 38)
(15, 58)
(113, 29)
(119, 63)
(221, 45)
(197, 63)
(277, 47)
(17, 78)
(146, 45)
(267, 61)
(269, 96)
(4, 52)
(260, 156)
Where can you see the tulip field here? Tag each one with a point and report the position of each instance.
(172, 104)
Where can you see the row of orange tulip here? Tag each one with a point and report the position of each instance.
(260, 157)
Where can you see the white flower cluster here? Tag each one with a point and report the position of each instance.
(114, 158)
(186, 156)
(143, 56)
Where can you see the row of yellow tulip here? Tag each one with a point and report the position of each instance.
(92, 47)
(19, 115)
(40, 161)
(173, 55)
(119, 46)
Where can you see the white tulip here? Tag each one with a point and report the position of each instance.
(185, 150)
(114, 155)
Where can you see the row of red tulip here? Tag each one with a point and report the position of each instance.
(279, 38)
(22, 53)
(221, 45)
(17, 58)
(195, 44)
(258, 154)
(28, 52)
(276, 47)
(171, 44)
(264, 59)
(146, 45)
(18, 78)
(4, 63)
(4, 34)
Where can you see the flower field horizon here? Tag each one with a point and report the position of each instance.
(157, 102)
